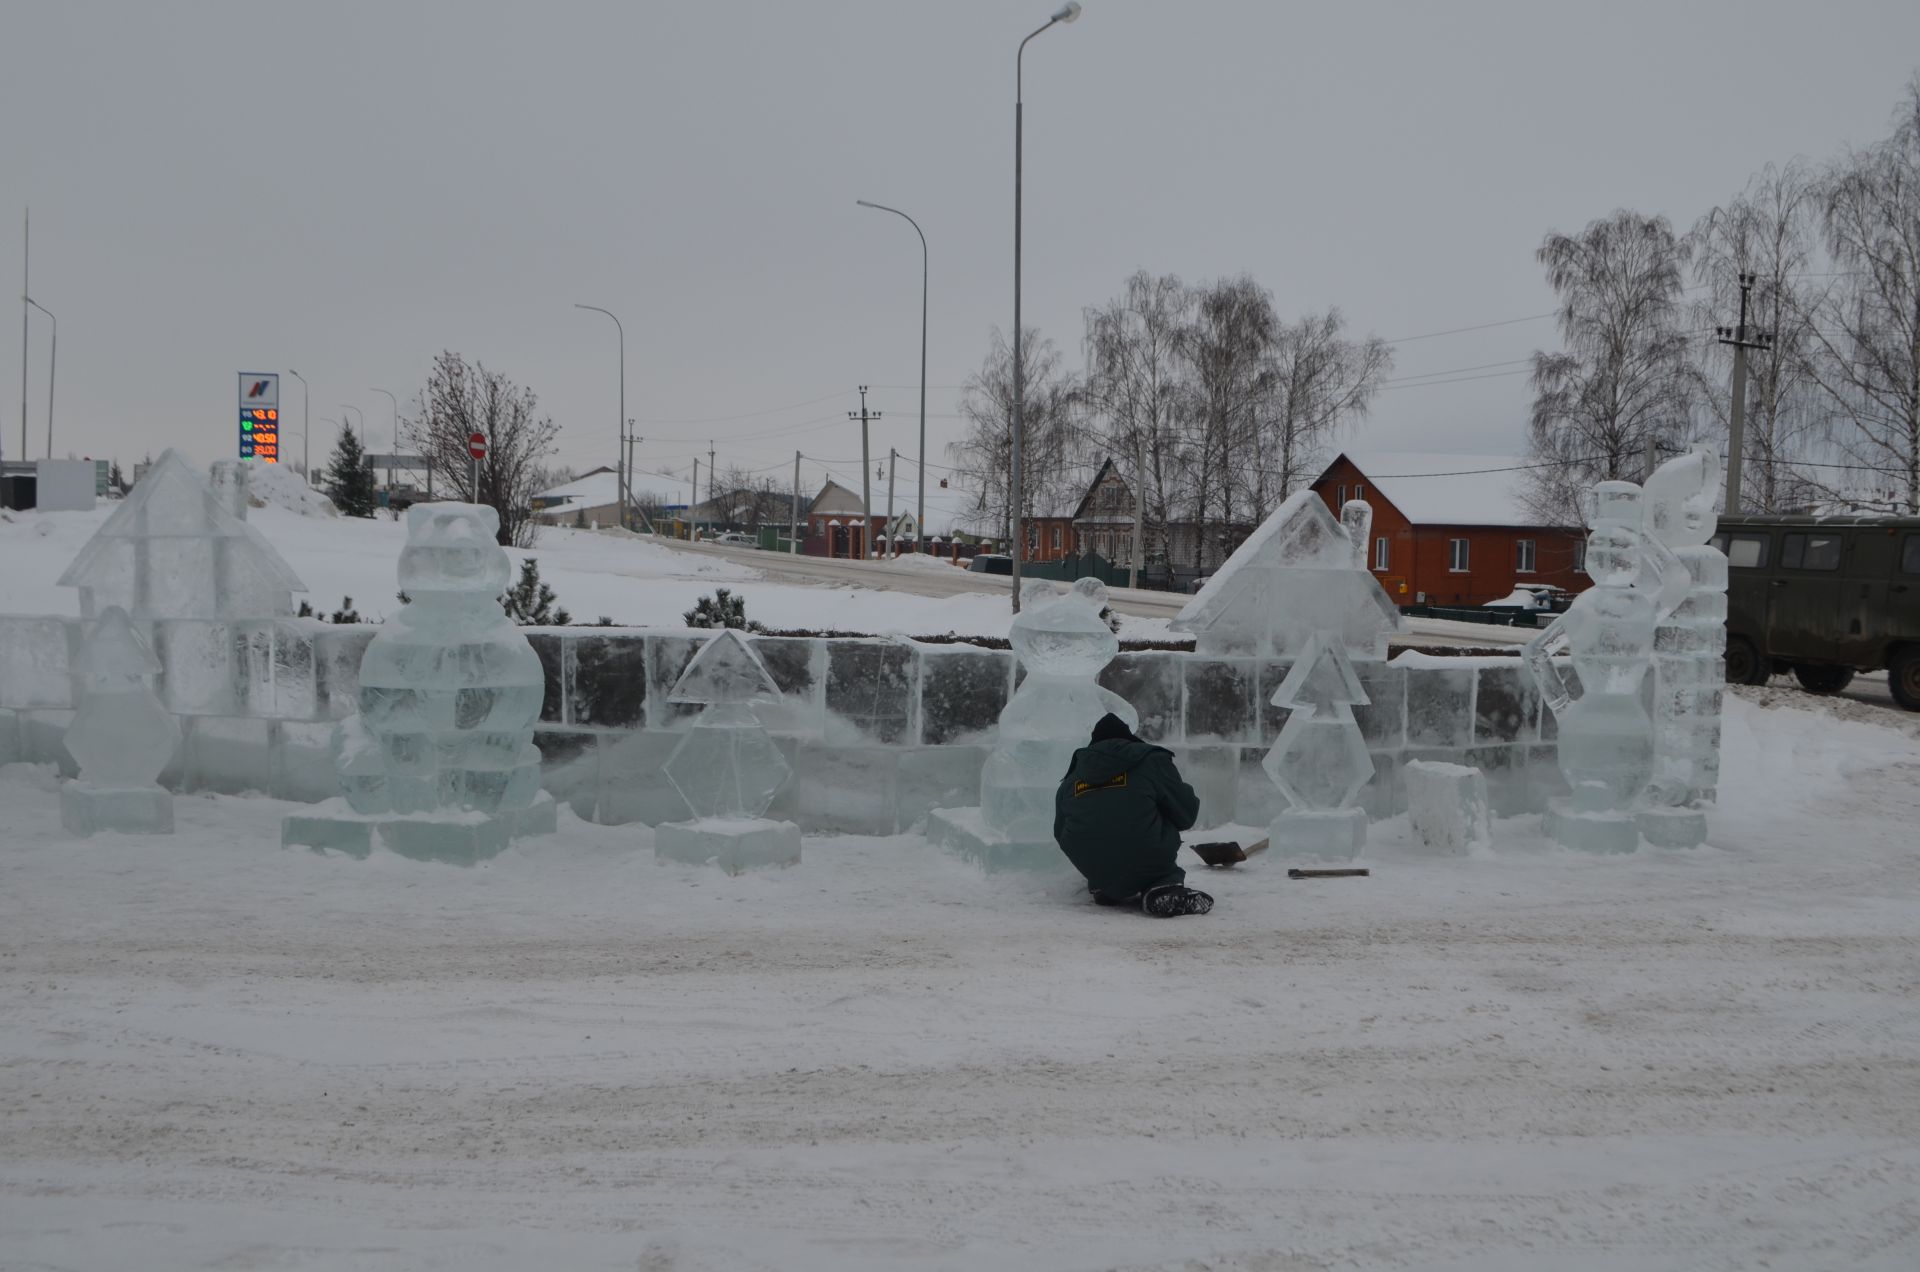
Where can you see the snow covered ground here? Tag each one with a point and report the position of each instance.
(631, 580)
(218, 1054)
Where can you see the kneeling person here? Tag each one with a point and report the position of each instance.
(1118, 816)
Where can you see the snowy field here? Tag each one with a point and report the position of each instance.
(635, 582)
(218, 1054)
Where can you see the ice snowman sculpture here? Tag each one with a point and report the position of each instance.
(1606, 737)
(449, 687)
(1062, 642)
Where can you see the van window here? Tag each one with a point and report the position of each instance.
(1910, 555)
(1810, 551)
(1746, 551)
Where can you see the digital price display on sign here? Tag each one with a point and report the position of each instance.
(260, 416)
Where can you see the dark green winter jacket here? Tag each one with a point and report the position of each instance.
(1118, 816)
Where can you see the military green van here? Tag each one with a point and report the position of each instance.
(1823, 597)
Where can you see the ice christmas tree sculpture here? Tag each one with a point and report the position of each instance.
(1063, 644)
(1688, 674)
(727, 768)
(440, 760)
(121, 737)
(1606, 737)
(1320, 760)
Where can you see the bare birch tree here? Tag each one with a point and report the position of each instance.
(1319, 382)
(1227, 347)
(1869, 329)
(1050, 443)
(463, 398)
(1623, 379)
(1136, 388)
(1767, 230)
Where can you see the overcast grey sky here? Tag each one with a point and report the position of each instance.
(347, 189)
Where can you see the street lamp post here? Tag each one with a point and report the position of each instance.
(363, 422)
(621, 479)
(306, 423)
(396, 432)
(1066, 13)
(920, 517)
(53, 353)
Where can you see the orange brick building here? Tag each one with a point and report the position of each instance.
(1452, 529)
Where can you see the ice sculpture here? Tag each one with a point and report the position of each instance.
(440, 761)
(1063, 643)
(175, 549)
(1320, 760)
(121, 737)
(1688, 674)
(1302, 572)
(727, 768)
(1606, 737)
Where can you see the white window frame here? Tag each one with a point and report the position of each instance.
(1458, 559)
(1526, 556)
(1340, 495)
(1360, 490)
(1382, 553)
(1579, 556)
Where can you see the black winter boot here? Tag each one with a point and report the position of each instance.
(1173, 899)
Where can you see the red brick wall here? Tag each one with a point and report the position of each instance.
(1419, 558)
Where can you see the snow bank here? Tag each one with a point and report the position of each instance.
(281, 486)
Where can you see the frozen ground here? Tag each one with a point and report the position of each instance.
(631, 580)
(218, 1054)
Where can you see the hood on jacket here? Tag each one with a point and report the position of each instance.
(1112, 757)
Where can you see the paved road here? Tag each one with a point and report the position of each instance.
(951, 581)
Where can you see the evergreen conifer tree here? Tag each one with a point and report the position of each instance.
(349, 479)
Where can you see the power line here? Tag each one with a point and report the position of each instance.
(1483, 326)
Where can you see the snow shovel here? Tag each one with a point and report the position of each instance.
(1226, 852)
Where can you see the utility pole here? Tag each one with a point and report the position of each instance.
(893, 457)
(1139, 514)
(1737, 420)
(710, 473)
(693, 503)
(866, 471)
(793, 511)
(628, 501)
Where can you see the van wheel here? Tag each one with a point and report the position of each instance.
(1823, 679)
(1903, 677)
(1744, 664)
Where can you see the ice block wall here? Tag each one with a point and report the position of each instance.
(878, 731)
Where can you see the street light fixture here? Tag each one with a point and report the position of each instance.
(53, 353)
(306, 422)
(1065, 13)
(621, 479)
(920, 518)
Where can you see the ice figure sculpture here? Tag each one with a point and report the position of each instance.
(1063, 643)
(121, 737)
(440, 760)
(176, 549)
(727, 768)
(1606, 737)
(1320, 760)
(1688, 674)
